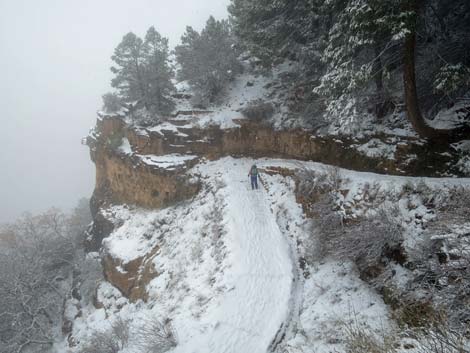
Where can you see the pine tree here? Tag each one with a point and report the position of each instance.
(157, 73)
(361, 46)
(273, 30)
(353, 51)
(142, 71)
(208, 60)
(129, 69)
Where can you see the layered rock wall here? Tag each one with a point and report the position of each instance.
(257, 140)
(122, 177)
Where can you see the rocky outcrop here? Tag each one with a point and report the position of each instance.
(410, 157)
(125, 180)
(132, 277)
(122, 177)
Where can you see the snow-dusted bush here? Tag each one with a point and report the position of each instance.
(109, 341)
(317, 191)
(452, 78)
(36, 278)
(112, 103)
(445, 276)
(440, 260)
(154, 336)
(454, 205)
(258, 110)
(91, 274)
(440, 339)
(361, 339)
(312, 183)
(437, 337)
(366, 241)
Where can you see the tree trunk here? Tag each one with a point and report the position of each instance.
(411, 95)
(377, 71)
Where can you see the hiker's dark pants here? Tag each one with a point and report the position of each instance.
(254, 182)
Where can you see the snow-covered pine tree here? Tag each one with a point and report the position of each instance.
(272, 30)
(362, 45)
(448, 25)
(157, 73)
(142, 71)
(129, 68)
(208, 60)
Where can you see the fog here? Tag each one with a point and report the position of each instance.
(55, 59)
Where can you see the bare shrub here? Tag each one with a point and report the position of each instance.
(366, 241)
(454, 205)
(441, 260)
(328, 225)
(35, 277)
(258, 110)
(333, 177)
(360, 339)
(154, 336)
(317, 191)
(312, 182)
(448, 283)
(109, 341)
(91, 274)
(440, 339)
(38, 263)
(414, 313)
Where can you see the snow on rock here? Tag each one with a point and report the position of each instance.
(247, 87)
(167, 126)
(462, 146)
(133, 239)
(169, 161)
(183, 87)
(125, 146)
(452, 117)
(378, 149)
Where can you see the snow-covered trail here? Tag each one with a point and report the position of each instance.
(260, 279)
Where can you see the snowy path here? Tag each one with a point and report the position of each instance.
(260, 280)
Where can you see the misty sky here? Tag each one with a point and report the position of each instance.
(55, 59)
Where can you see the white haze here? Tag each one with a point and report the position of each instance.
(55, 59)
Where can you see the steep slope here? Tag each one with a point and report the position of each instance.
(225, 269)
(249, 314)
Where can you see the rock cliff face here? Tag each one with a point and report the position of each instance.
(123, 176)
(411, 157)
(131, 278)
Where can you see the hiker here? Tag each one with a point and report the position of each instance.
(254, 177)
